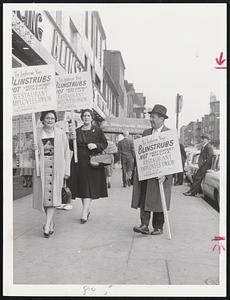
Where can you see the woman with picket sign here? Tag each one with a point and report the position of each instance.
(87, 181)
(54, 165)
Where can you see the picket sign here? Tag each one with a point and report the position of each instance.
(165, 209)
(74, 140)
(35, 144)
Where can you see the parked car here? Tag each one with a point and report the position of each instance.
(191, 166)
(211, 182)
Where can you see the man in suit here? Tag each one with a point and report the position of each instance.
(126, 155)
(204, 163)
(180, 176)
(146, 193)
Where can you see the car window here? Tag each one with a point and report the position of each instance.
(218, 163)
(213, 167)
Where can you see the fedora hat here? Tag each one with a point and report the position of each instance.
(159, 109)
(206, 136)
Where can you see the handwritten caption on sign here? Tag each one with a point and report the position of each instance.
(33, 89)
(74, 91)
(158, 155)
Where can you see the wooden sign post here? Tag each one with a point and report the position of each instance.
(74, 140)
(35, 144)
(165, 210)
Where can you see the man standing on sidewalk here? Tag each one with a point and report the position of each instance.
(146, 193)
(126, 155)
(204, 163)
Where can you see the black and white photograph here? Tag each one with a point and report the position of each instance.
(114, 154)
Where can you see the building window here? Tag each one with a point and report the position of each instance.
(59, 18)
(104, 89)
(86, 63)
(96, 41)
(97, 82)
(92, 31)
(73, 35)
(100, 53)
(86, 24)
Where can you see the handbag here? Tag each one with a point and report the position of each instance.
(66, 194)
(101, 160)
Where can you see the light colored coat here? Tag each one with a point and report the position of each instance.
(61, 168)
(152, 197)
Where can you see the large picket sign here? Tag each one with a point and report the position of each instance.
(74, 91)
(158, 155)
(33, 89)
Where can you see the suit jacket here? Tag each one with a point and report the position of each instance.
(152, 197)
(126, 149)
(205, 158)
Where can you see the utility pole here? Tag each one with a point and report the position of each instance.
(179, 99)
(177, 113)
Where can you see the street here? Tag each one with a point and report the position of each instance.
(105, 250)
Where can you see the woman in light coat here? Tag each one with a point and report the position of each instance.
(54, 168)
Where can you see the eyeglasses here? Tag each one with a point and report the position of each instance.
(49, 118)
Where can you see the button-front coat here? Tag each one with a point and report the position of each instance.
(61, 168)
(151, 200)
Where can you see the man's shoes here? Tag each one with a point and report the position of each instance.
(141, 229)
(157, 231)
(124, 184)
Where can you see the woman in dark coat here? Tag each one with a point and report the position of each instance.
(87, 182)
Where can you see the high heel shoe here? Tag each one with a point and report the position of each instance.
(52, 231)
(83, 221)
(46, 235)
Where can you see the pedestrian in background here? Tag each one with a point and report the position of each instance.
(146, 193)
(126, 156)
(54, 166)
(111, 150)
(180, 176)
(204, 164)
(87, 182)
(24, 150)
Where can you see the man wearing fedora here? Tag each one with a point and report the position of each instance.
(204, 163)
(146, 193)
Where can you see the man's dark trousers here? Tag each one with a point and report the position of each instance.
(157, 221)
(196, 185)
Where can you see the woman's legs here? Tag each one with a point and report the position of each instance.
(108, 182)
(50, 211)
(86, 202)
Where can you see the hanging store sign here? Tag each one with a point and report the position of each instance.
(118, 125)
(31, 20)
(158, 154)
(63, 54)
(74, 91)
(33, 89)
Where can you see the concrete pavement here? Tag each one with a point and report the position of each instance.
(105, 250)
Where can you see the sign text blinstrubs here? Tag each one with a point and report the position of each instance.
(158, 154)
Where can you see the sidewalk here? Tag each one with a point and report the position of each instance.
(105, 250)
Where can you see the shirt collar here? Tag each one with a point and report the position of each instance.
(158, 129)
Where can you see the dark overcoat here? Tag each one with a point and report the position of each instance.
(146, 193)
(205, 158)
(86, 181)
